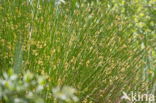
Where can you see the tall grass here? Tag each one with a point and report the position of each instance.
(91, 46)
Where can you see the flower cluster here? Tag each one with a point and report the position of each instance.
(21, 89)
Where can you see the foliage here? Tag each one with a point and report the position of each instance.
(102, 48)
(28, 88)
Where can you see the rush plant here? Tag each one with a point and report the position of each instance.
(98, 47)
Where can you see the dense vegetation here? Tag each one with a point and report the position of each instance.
(101, 48)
